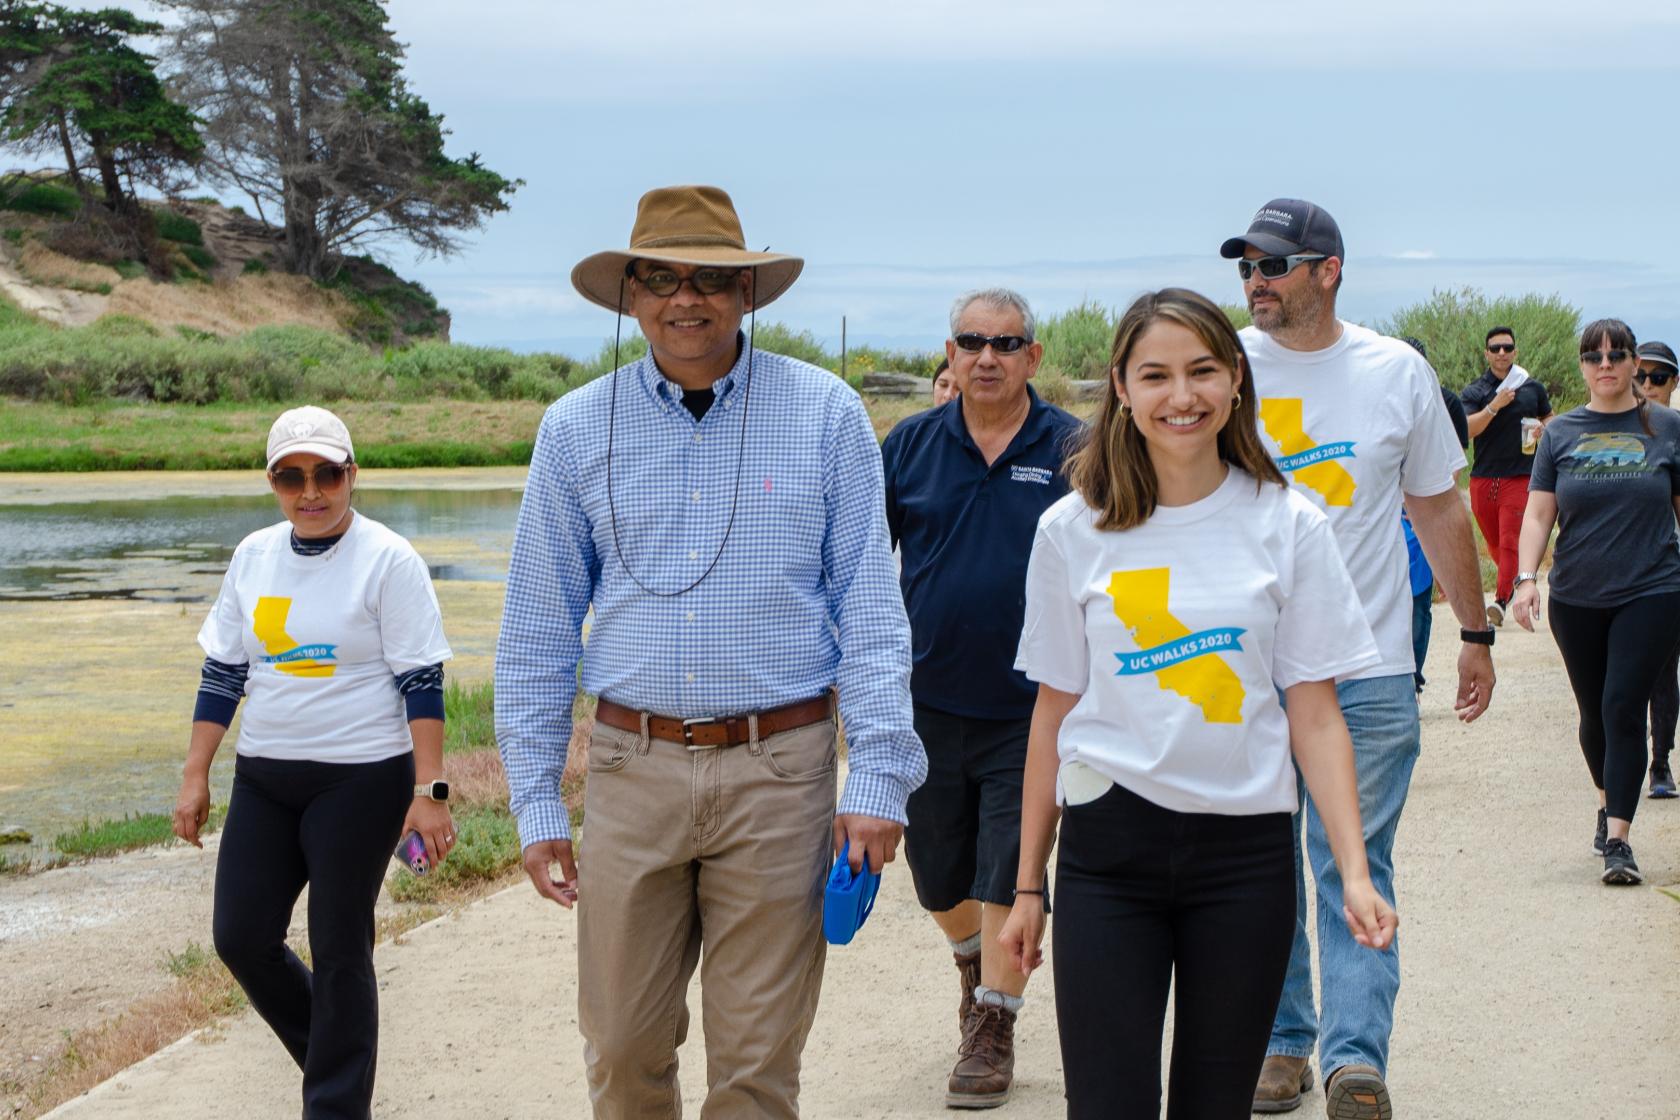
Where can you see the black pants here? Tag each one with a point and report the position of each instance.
(1665, 708)
(1613, 656)
(332, 826)
(1144, 894)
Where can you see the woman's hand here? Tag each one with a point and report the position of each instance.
(192, 808)
(1525, 604)
(1022, 932)
(1370, 918)
(436, 827)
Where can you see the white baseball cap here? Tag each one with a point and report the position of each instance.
(312, 430)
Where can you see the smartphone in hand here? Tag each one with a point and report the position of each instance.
(412, 852)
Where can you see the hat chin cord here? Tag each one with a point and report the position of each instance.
(740, 454)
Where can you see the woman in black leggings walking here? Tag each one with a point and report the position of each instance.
(1608, 475)
(328, 622)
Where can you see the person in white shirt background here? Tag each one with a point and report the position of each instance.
(1356, 421)
(1173, 598)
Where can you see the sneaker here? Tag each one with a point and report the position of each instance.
(985, 1069)
(1283, 1080)
(968, 967)
(1662, 781)
(1496, 613)
(1619, 868)
(1357, 1092)
(1600, 835)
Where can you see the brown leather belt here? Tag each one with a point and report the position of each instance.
(717, 731)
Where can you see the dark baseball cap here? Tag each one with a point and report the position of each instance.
(1657, 352)
(1288, 225)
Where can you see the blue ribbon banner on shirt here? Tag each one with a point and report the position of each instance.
(1322, 453)
(1220, 640)
(304, 653)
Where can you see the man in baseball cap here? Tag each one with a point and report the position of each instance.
(1356, 420)
(722, 510)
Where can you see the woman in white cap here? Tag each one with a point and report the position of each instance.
(328, 622)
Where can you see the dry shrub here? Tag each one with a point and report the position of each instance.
(236, 306)
(476, 778)
(93, 1055)
(46, 266)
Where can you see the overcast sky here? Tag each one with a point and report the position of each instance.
(909, 149)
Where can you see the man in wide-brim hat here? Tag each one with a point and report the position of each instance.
(722, 510)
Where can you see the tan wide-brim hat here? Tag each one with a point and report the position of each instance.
(683, 225)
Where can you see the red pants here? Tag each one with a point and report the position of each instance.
(1498, 504)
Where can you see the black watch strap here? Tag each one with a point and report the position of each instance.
(1477, 637)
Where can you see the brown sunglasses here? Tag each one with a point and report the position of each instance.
(293, 480)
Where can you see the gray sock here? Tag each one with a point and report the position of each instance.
(991, 997)
(968, 946)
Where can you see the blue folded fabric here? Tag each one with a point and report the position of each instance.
(848, 898)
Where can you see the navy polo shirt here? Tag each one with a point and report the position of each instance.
(965, 532)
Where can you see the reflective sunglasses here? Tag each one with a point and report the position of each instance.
(665, 282)
(1659, 379)
(1273, 267)
(1000, 343)
(1594, 357)
(293, 480)
(1502, 348)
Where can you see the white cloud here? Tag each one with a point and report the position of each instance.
(1416, 254)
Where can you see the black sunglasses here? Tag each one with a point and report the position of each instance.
(1502, 348)
(665, 282)
(1001, 343)
(1594, 357)
(1658, 379)
(1273, 267)
(293, 480)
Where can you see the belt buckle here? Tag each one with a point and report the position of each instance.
(688, 726)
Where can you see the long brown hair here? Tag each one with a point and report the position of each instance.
(1110, 466)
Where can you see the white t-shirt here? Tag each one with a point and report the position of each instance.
(1352, 426)
(1177, 635)
(325, 637)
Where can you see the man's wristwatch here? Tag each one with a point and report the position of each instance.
(437, 790)
(1522, 578)
(1477, 637)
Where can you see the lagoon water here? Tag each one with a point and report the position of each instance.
(104, 580)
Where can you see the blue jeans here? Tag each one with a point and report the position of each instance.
(1357, 985)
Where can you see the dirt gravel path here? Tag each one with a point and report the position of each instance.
(1530, 990)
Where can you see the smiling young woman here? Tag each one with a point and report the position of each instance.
(1183, 561)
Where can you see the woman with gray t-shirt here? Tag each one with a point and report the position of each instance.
(1608, 475)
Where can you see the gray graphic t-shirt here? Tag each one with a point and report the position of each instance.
(1615, 489)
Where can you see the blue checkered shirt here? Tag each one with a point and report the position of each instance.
(803, 598)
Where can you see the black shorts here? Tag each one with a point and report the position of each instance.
(964, 836)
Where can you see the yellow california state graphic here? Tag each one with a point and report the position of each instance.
(268, 622)
(1329, 479)
(1140, 601)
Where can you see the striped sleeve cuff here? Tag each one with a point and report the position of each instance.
(422, 691)
(221, 686)
(543, 820)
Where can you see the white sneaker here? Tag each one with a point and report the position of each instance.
(1496, 614)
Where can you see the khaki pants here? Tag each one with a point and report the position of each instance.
(724, 849)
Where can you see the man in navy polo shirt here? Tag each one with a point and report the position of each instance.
(966, 483)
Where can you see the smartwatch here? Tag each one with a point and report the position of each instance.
(437, 790)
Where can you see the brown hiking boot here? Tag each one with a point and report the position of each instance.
(1356, 1092)
(969, 968)
(1282, 1081)
(985, 1067)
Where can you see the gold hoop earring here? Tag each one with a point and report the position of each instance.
(1236, 398)
(1125, 412)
